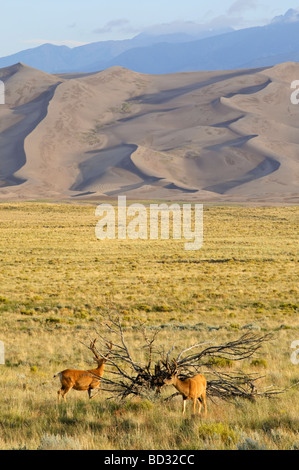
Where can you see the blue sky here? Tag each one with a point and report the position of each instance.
(29, 23)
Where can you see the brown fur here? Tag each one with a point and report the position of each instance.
(83, 380)
(80, 380)
(193, 388)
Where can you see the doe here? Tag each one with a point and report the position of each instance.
(193, 388)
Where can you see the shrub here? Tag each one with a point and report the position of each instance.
(250, 444)
(259, 363)
(57, 442)
(143, 307)
(220, 362)
(217, 430)
(162, 308)
(53, 320)
(139, 405)
(126, 107)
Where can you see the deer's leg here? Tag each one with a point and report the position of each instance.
(63, 391)
(184, 405)
(194, 406)
(96, 385)
(60, 393)
(199, 405)
(204, 399)
(98, 389)
(92, 396)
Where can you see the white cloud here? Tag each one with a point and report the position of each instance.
(239, 6)
(219, 23)
(121, 25)
(234, 17)
(176, 26)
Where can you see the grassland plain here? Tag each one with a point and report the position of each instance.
(56, 280)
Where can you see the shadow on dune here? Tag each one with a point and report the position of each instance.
(167, 95)
(12, 152)
(266, 167)
(95, 167)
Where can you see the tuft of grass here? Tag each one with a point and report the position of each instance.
(57, 442)
(222, 362)
(259, 363)
(250, 444)
(210, 431)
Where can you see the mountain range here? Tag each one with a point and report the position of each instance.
(159, 53)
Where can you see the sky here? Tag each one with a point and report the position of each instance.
(30, 23)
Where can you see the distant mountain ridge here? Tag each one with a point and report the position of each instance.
(174, 52)
(236, 50)
(290, 16)
(95, 56)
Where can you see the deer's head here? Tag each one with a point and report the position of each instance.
(172, 372)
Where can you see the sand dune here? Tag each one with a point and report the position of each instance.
(206, 136)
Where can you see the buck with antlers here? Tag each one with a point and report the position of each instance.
(84, 380)
(193, 388)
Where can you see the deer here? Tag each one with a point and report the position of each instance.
(83, 380)
(193, 388)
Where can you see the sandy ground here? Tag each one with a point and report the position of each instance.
(202, 136)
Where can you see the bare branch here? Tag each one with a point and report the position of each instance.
(238, 350)
(189, 349)
(130, 377)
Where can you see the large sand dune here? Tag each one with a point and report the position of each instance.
(204, 136)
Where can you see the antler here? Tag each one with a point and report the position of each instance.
(93, 349)
(99, 357)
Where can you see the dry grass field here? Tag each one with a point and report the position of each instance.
(56, 280)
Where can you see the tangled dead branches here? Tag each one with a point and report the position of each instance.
(128, 377)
